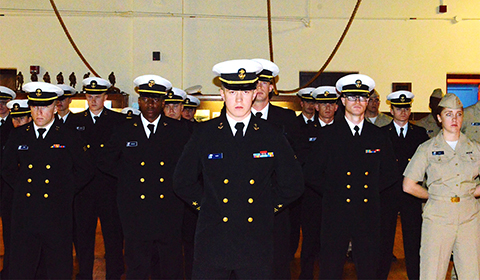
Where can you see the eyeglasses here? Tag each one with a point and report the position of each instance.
(154, 99)
(354, 98)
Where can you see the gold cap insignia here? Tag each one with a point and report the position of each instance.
(129, 113)
(151, 83)
(39, 92)
(170, 94)
(358, 83)
(16, 107)
(402, 98)
(326, 93)
(187, 101)
(241, 73)
(93, 84)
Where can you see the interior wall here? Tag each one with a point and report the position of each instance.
(391, 41)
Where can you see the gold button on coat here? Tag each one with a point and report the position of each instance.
(101, 145)
(225, 181)
(30, 166)
(45, 195)
(225, 219)
(250, 200)
(252, 182)
(348, 200)
(162, 196)
(366, 173)
(348, 186)
(142, 163)
(250, 219)
(142, 180)
(365, 200)
(28, 194)
(29, 180)
(366, 186)
(142, 196)
(162, 163)
(349, 173)
(48, 166)
(47, 181)
(161, 180)
(88, 146)
(225, 200)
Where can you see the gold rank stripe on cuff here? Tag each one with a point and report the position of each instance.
(152, 91)
(239, 82)
(42, 99)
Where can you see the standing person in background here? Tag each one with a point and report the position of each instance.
(237, 155)
(373, 115)
(190, 105)
(174, 103)
(326, 98)
(430, 122)
(98, 199)
(406, 138)
(471, 122)
(451, 222)
(142, 155)
(64, 101)
(286, 119)
(20, 112)
(45, 164)
(6, 126)
(351, 162)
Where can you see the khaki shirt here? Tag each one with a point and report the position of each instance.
(381, 120)
(471, 122)
(430, 125)
(449, 172)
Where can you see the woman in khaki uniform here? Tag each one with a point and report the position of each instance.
(451, 219)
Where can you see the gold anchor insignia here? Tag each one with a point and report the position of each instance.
(39, 92)
(93, 84)
(358, 83)
(402, 98)
(187, 101)
(129, 113)
(28, 128)
(220, 126)
(16, 107)
(255, 126)
(165, 124)
(57, 128)
(241, 73)
(135, 124)
(151, 83)
(86, 114)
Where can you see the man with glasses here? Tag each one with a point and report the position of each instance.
(349, 164)
(406, 138)
(372, 114)
(142, 154)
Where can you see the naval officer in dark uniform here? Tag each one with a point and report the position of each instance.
(326, 98)
(64, 101)
(349, 164)
(98, 198)
(45, 164)
(237, 154)
(406, 138)
(142, 154)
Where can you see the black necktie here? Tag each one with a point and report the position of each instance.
(239, 133)
(401, 133)
(309, 122)
(356, 128)
(96, 119)
(41, 131)
(151, 127)
(258, 115)
(2, 121)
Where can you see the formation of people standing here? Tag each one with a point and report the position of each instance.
(228, 198)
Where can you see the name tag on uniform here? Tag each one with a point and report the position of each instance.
(438, 153)
(80, 128)
(57, 146)
(132, 144)
(469, 153)
(215, 156)
(312, 139)
(430, 131)
(263, 154)
(22, 147)
(372, 151)
(475, 124)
